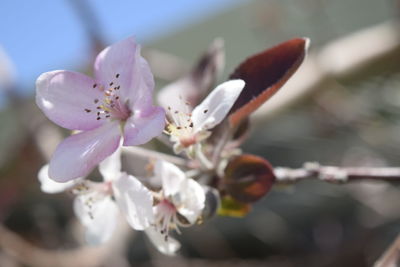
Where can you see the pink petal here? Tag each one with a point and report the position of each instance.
(77, 155)
(141, 127)
(122, 65)
(68, 99)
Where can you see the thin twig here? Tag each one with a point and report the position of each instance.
(335, 174)
(145, 153)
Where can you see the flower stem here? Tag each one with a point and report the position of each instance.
(202, 158)
(145, 153)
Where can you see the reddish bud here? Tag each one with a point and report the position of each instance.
(248, 178)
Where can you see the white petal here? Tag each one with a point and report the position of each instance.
(168, 247)
(171, 177)
(216, 106)
(134, 200)
(98, 214)
(175, 95)
(191, 200)
(50, 186)
(111, 166)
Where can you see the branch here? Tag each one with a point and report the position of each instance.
(146, 153)
(391, 257)
(333, 174)
(24, 252)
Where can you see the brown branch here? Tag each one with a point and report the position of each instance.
(391, 257)
(333, 174)
(26, 253)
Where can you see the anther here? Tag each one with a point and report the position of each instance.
(117, 76)
(94, 85)
(111, 83)
(87, 110)
(96, 101)
(205, 111)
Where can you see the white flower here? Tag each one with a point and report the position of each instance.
(94, 205)
(179, 203)
(187, 129)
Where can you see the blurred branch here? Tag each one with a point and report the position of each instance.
(391, 257)
(164, 65)
(30, 255)
(343, 58)
(90, 23)
(333, 174)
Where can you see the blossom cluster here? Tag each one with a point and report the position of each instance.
(114, 109)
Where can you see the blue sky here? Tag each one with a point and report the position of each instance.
(43, 35)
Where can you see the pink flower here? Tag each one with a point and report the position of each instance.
(116, 102)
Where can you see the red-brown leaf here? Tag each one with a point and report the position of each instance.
(264, 74)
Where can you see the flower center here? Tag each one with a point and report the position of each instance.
(165, 217)
(181, 126)
(111, 106)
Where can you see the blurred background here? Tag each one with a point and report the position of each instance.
(342, 108)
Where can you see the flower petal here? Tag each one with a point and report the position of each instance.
(144, 126)
(171, 177)
(110, 168)
(68, 99)
(191, 200)
(216, 106)
(166, 246)
(99, 214)
(134, 201)
(122, 65)
(78, 154)
(176, 95)
(48, 185)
